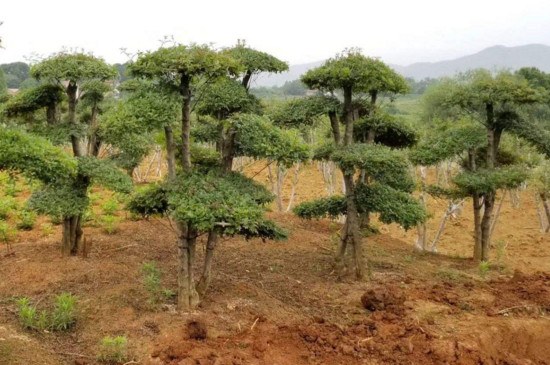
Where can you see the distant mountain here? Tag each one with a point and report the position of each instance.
(496, 57)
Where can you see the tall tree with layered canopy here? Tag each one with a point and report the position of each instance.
(383, 183)
(254, 62)
(82, 77)
(495, 102)
(205, 196)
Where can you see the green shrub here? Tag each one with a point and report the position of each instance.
(11, 189)
(61, 318)
(152, 278)
(110, 206)
(7, 206)
(484, 269)
(27, 219)
(110, 224)
(113, 350)
(56, 219)
(63, 315)
(7, 233)
(47, 229)
(27, 313)
(94, 197)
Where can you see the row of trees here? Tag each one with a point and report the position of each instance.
(196, 102)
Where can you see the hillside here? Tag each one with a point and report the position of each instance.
(496, 57)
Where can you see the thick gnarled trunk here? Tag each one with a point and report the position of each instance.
(188, 298)
(72, 235)
(352, 234)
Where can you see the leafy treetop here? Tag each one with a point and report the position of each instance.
(75, 68)
(360, 74)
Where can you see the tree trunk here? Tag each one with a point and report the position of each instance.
(477, 227)
(294, 184)
(204, 282)
(93, 143)
(353, 228)
(188, 298)
(52, 113)
(228, 149)
(170, 152)
(185, 91)
(497, 213)
(71, 91)
(335, 126)
(281, 173)
(352, 216)
(546, 210)
(71, 235)
(422, 240)
(543, 222)
(489, 204)
(348, 113)
(246, 79)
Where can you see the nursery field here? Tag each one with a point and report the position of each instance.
(161, 212)
(282, 302)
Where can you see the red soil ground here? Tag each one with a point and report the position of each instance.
(281, 302)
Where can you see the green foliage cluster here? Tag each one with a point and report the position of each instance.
(31, 100)
(305, 111)
(26, 220)
(7, 206)
(228, 203)
(113, 350)
(61, 318)
(75, 67)
(381, 163)
(448, 141)
(257, 137)
(152, 280)
(110, 223)
(110, 206)
(149, 201)
(352, 70)
(60, 199)
(252, 61)
(389, 130)
(393, 206)
(225, 97)
(170, 63)
(105, 173)
(486, 181)
(7, 233)
(37, 157)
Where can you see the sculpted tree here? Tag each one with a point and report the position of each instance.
(71, 71)
(82, 77)
(254, 62)
(206, 196)
(494, 101)
(375, 177)
(180, 68)
(130, 125)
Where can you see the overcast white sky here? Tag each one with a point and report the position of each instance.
(297, 31)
